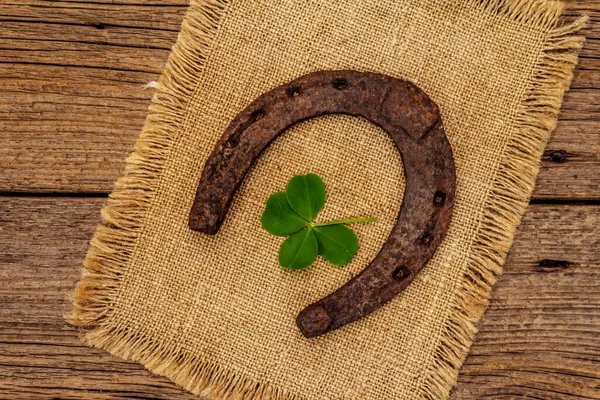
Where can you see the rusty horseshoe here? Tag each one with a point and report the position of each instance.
(413, 122)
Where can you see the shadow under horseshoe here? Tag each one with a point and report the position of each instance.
(413, 122)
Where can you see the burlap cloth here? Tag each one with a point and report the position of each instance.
(217, 314)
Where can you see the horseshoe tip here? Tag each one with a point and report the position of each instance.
(313, 321)
(205, 216)
(199, 225)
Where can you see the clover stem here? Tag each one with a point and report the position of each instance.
(344, 221)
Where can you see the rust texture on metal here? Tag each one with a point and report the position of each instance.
(413, 122)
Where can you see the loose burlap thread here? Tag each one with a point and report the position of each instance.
(216, 314)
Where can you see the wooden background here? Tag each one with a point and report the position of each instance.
(72, 101)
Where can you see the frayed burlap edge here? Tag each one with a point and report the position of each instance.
(125, 212)
(123, 217)
(513, 184)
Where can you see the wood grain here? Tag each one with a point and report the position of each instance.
(538, 338)
(73, 101)
(43, 242)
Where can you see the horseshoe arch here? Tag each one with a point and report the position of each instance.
(413, 122)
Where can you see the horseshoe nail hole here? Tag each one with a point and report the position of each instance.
(293, 91)
(258, 114)
(439, 198)
(400, 273)
(233, 141)
(425, 239)
(340, 83)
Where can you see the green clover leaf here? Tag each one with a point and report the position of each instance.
(299, 250)
(291, 213)
(337, 243)
(306, 195)
(279, 219)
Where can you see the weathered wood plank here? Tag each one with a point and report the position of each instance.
(571, 162)
(143, 15)
(538, 338)
(49, 123)
(43, 241)
(72, 99)
(26, 35)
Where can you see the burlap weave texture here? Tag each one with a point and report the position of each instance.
(216, 314)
